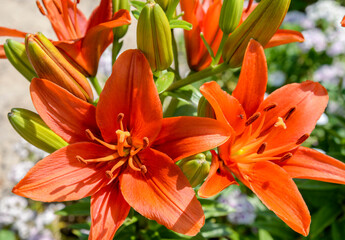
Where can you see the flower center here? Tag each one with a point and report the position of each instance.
(252, 145)
(124, 151)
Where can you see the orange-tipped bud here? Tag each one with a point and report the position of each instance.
(260, 25)
(230, 15)
(50, 64)
(154, 36)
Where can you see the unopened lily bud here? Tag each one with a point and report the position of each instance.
(31, 127)
(119, 32)
(260, 25)
(205, 109)
(50, 64)
(16, 54)
(195, 168)
(154, 36)
(164, 4)
(230, 15)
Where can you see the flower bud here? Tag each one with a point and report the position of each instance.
(260, 25)
(50, 64)
(16, 54)
(31, 127)
(154, 36)
(164, 4)
(196, 168)
(230, 15)
(119, 32)
(205, 109)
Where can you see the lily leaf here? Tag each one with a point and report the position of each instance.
(177, 23)
(77, 209)
(164, 81)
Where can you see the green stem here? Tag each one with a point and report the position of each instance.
(171, 9)
(117, 45)
(220, 50)
(210, 71)
(175, 52)
(96, 84)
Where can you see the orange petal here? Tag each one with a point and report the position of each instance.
(310, 164)
(9, 32)
(100, 14)
(163, 194)
(218, 179)
(130, 90)
(227, 108)
(2, 52)
(251, 86)
(108, 211)
(309, 100)
(343, 22)
(61, 177)
(283, 36)
(184, 136)
(278, 192)
(67, 115)
(88, 50)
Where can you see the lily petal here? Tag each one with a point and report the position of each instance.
(108, 211)
(130, 90)
(300, 105)
(227, 108)
(184, 136)
(307, 163)
(278, 192)
(218, 178)
(2, 52)
(283, 36)
(163, 194)
(101, 14)
(251, 86)
(61, 177)
(67, 115)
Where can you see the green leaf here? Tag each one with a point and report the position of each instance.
(188, 94)
(338, 230)
(303, 184)
(139, 5)
(7, 235)
(324, 218)
(77, 209)
(264, 235)
(213, 208)
(176, 23)
(215, 230)
(276, 227)
(164, 81)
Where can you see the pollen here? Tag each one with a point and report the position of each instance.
(280, 123)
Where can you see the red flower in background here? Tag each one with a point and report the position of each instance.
(205, 18)
(264, 150)
(81, 40)
(121, 152)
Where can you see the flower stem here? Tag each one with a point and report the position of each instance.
(198, 76)
(220, 50)
(96, 84)
(175, 52)
(117, 45)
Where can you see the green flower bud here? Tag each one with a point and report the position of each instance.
(164, 4)
(50, 64)
(119, 32)
(230, 15)
(260, 25)
(16, 54)
(196, 168)
(154, 36)
(31, 127)
(205, 109)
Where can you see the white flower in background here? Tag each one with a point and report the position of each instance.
(328, 10)
(40, 235)
(48, 216)
(300, 19)
(323, 120)
(277, 78)
(314, 38)
(330, 73)
(19, 170)
(244, 211)
(25, 150)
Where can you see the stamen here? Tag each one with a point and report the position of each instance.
(146, 142)
(109, 173)
(270, 107)
(289, 113)
(131, 164)
(119, 120)
(102, 159)
(135, 151)
(76, 25)
(93, 138)
(280, 123)
(286, 157)
(40, 8)
(261, 148)
(58, 7)
(252, 119)
(302, 139)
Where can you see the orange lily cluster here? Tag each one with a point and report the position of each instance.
(81, 40)
(123, 153)
(205, 17)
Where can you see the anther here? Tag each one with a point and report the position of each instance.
(302, 139)
(143, 169)
(252, 119)
(270, 107)
(58, 7)
(40, 8)
(280, 123)
(289, 113)
(146, 142)
(109, 174)
(261, 148)
(286, 157)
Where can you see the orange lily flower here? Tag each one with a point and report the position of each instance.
(205, 19)
(121, 152)
(264, 150)
(82, 41)
(343, 22)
